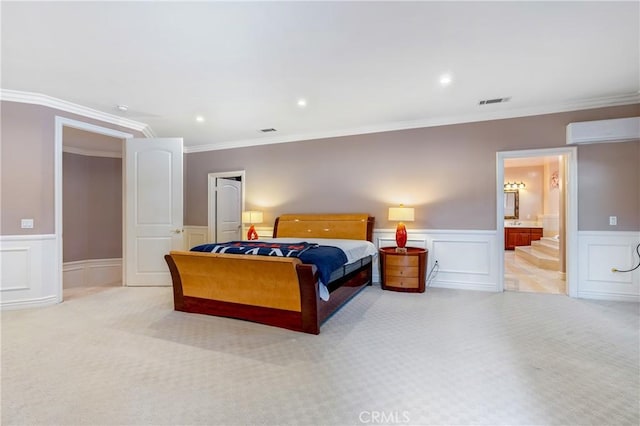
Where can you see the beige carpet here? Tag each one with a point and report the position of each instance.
(124, 357)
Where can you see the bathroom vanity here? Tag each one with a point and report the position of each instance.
(520, 236)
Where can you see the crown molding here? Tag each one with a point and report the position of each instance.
(51, 102)
(415, 124)
(62, 105)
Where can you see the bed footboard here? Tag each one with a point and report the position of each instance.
(269, 290)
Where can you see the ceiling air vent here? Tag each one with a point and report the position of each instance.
(493, 101)
(270, 129)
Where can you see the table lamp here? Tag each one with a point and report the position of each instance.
(252, 217)
(401, 214)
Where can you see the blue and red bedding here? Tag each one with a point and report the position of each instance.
(326, 258)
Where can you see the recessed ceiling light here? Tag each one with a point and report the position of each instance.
(200, 119)
(445, 79)
(122, 108)
(302, 102)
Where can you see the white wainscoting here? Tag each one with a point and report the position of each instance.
(28, 268)
(195, 235)
(598, 253)
(263, 231)
(91, 273)
(466, 259)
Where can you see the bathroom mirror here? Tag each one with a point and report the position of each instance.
(511, 201)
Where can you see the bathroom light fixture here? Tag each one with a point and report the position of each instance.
(515, 185)
(252, 217)
(401, 214)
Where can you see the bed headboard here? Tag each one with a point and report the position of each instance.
(353, 226)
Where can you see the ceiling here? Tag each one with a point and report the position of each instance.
(360, 66)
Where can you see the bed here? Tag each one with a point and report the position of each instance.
(277, 291)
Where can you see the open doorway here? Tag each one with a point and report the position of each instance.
(534, 258)
(537, 220)
(92, 212)
(89, 207)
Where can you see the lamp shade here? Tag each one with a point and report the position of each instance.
(252, 216)
(401, 214)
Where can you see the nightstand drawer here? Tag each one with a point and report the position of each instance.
(401, 282)
(406, 271)
(401, 260)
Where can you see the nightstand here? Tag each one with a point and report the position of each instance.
(403, 271)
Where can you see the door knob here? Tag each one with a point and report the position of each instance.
(177, 231)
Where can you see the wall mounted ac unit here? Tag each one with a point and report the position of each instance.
(616, 130)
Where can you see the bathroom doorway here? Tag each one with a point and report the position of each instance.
(533, 256)
(536, 233)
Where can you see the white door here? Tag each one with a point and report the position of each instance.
(153, 210)
(228, 210)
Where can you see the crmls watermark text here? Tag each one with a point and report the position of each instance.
(384, 417)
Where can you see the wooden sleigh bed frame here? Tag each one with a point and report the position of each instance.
(277, 291)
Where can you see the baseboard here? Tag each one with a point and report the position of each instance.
(91, 273)
(463, 285)
(609, 296)
(29, 303)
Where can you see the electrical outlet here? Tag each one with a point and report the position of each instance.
(613, 220)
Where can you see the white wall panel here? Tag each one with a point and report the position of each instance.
(27, 271)
(465, 258)
(598, 253)
(194, 236)
(16, 268)
(449, 253)
(93, 272)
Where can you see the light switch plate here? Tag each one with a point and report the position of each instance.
(613, 220)
(26, 223)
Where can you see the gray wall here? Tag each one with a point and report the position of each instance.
(447, 173)
(27, 165)
(92, 207)
(609, 185)
(27, 168)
